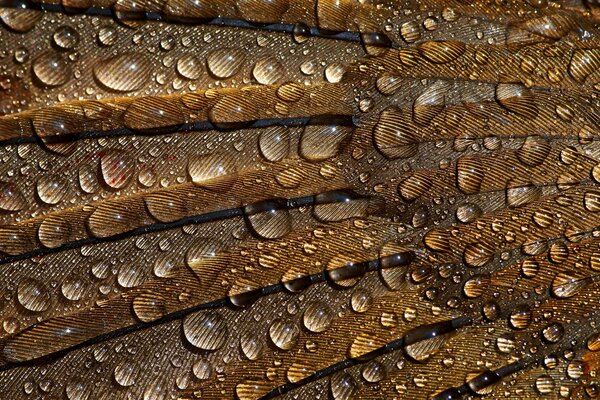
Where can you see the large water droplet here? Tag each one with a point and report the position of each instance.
(317, 317)
(214, 171)
(284, 334)
(205, 330)
(52, 189)
(33, 295)
(124, 72)
(225, 62)
(51, 69)
(117, 168)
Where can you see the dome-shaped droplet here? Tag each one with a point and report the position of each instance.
(225, 62)
(251, 345)
(189, 66)
(476, 286)
(544, 384)
(583, 63)
(215, 171)
(520, 317)
(202, 369)
(342, 386)
(553, 332)
(320, 142)
(317, 317)
(274, 143)
(284, 334)
(517, 98)
(206, 330)
(11, 198)
(126, 374)
(51, 69)
(410, 31)
(54, 231)
(124, 72)
(534, 151)
(149, 307)
(442, 51)
(73, 288)
(373, 372)
(131, 275)
(269, 219)
(66, 37)
(33, 295)
(117, 168)
(52, 189)
(468, 212)
(520, 193)
(88, 180)
(335, 72)
(165, 207)
(268, 71)
(20, 20)
(470, 174)
(394, 135)
(567, 284)
(76, 389)
(361, 300)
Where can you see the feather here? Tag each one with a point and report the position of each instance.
(259, 199)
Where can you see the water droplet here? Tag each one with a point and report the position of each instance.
(534, 151)
(33, 295)
(149, 307)
(335, 72)
(52, 189)
(214, 171)
(124, 72)
(269, 219)
(544, 384)
(394, 134)
(66, 37)
(443, 51)
(126, 374)
(274, 143)
(317, 317)
(11, 198)
(165, 207)
(343, 386)
(51, 69)
(189, 66)
(567, 284)
(117, 168)
(520, 317)
(73, 288)
(553, 332)
(517, 98)
(583, 63)
(321, 142)
(205, 330)
(251, 346)
(20, 20)
(202, 369)
(431, 102)
(77, 390)
(225, 62)
(268, 71)
(410, 31)
(284, 334)
(54, 231)
(470, 174)
(361, 301)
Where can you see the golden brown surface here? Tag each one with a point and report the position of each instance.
(299, 199)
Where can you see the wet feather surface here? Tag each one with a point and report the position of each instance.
(331, 199)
